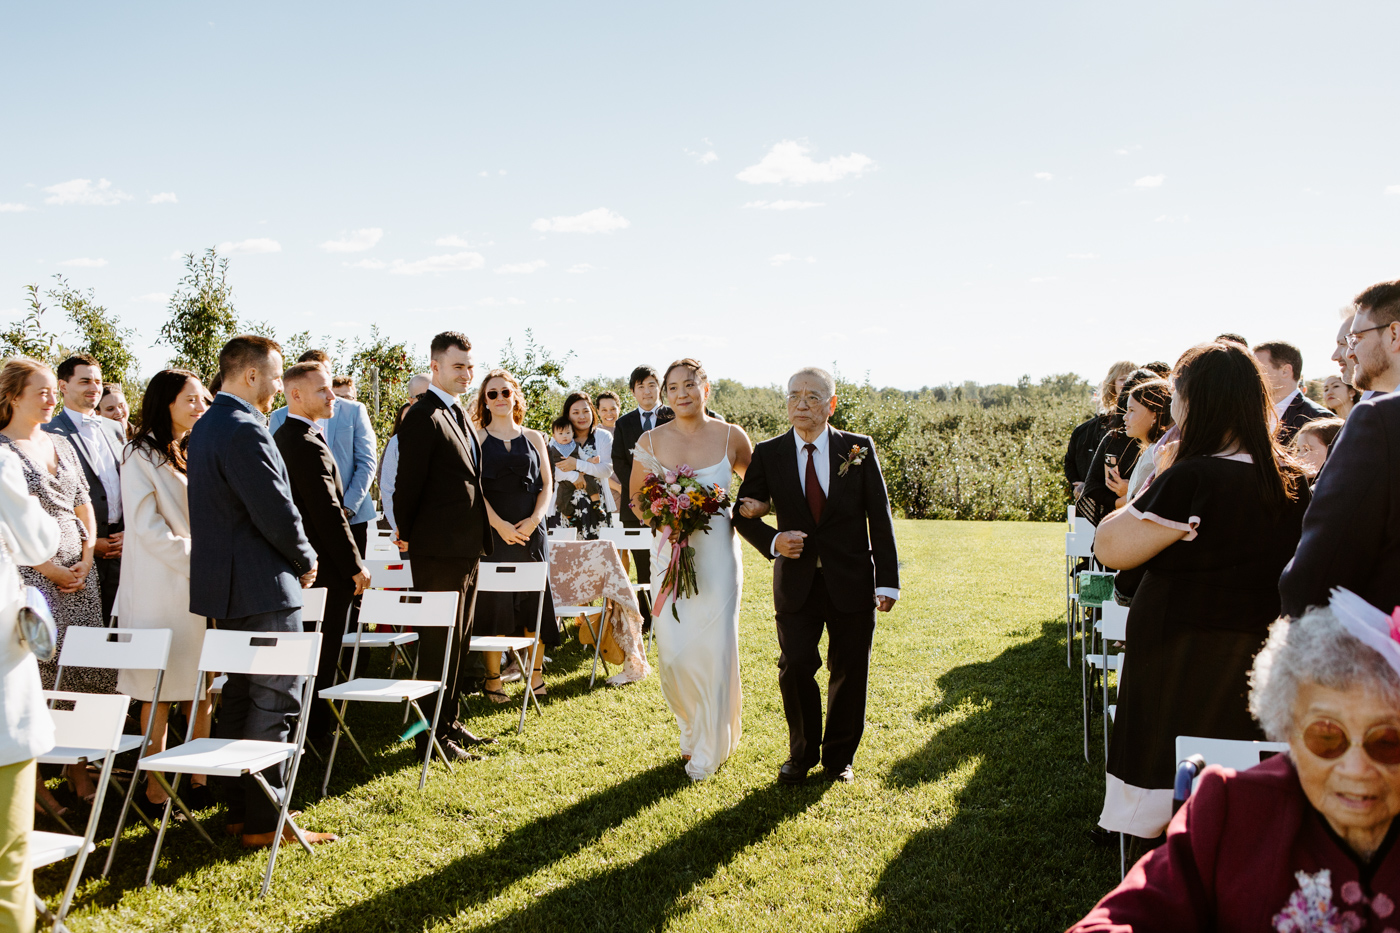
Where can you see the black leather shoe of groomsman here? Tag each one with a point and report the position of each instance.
(792, 773)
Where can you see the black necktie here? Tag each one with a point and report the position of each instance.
(646, 421)
(815, 497)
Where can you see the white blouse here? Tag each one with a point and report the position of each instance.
(603, 469)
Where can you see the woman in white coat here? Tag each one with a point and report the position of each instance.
(155, 587)
(28, 536)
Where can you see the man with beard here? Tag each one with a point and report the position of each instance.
(1351, 532)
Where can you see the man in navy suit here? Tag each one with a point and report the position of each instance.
(249, 559)
(835, 564)
(99, 443)
(1282, 364)
(1351, 531)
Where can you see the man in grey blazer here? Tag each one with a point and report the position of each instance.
(99, 443)
(249, 559)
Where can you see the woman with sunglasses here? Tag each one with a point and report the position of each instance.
(1211, 533)
(1305, 840)
(517, 485)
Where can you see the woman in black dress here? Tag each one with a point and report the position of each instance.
(517, 483)
(1084, 440)
(1213, 533)
(1116, 452)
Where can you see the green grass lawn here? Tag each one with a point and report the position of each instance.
(971, 810)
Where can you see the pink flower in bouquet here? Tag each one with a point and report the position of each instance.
(685, 470)
(670, 477)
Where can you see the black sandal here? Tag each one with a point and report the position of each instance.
(495, 696)
(539, 691)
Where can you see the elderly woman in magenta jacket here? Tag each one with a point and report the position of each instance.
(1304, 841)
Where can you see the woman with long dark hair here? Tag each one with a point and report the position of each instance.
(1115, 457)
(1213, 532)
(155, 590)
(593, 455)
(1085, 438)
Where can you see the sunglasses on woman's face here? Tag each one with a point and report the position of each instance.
(494, 394)
(1328, 740)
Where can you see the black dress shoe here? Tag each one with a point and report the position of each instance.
(459, 734)
(792, 773)
(846, 775)
(455, 752)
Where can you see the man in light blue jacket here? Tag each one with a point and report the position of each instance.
(350, 436)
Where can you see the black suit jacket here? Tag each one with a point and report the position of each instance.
(438, 503)
(854, 539)
(1298, 413)
(247, 547)
(319, 495)
(62, 426)
(1351, 532)
(626, 433)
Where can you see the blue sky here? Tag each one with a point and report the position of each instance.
(927, 192)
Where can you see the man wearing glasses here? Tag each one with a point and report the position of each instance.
(1351, 532)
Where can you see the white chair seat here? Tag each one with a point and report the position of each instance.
(64, 755)
(500, 643)
(47, 848)
(569, 612)
(379, 690)
(379, 639)
(218, 685)
(1114, 660)
(222, 757)
(1112, 711)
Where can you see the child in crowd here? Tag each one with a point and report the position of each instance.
(578, 502)
(1313, 442)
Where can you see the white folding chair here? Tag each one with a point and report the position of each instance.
(392, 574)
(114, 649)
(389, 574)
(1077, 547)
(420, 610)
(563, 533)
(632, 539)
(530, 577)
(313, 609)
(287, 654)
(91, 723)
(1239, 754)
(1112, 626)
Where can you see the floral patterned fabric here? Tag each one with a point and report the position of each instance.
(582, 571)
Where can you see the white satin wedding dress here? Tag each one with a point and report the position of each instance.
(699, 653)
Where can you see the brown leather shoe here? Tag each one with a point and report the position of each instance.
(263, 840)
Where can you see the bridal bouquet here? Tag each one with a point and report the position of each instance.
(676, 505)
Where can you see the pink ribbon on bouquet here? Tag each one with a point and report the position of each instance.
(671, 577)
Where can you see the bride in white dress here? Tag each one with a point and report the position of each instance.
(699, 653)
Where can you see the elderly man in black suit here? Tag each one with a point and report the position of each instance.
(1351, 532)
(441, 515)
(100, 444)
(1283, 368)
(319, 495)
(249, 560)
(835, 564)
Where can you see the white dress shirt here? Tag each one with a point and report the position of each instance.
(388, 473)
(102, 457)
(651, 413)
(1281, 407)
(314, 426)
(823, 465)
(602, 449)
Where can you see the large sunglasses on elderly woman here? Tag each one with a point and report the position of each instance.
(1328, 740)
(493, 393)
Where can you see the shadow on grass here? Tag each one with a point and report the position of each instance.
(640, 895)
(1013, 851)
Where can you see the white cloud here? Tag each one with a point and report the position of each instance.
(83, 191)
(599, 220)
(1150, 181)
(14, 208)
(521, 268)
(707, 158)
(1083, 255)
(1044, 176)
(1389, 189)
(255, 245)
(1171, 219)
(1126, 150)
(482, 174)
(1045, 278)
(356, 241)
(787, 163)
(784, 205)
(84, 263)
(580, 268)
(165, 197)
(159, 298)
(367, 264)
(498, 302)
(784, 258)
(177, 254)
(459, 242)
(453, 262)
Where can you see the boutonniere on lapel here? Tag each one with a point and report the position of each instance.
(855, 458)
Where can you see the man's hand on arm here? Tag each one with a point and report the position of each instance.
(752, 508)
(309, 577)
